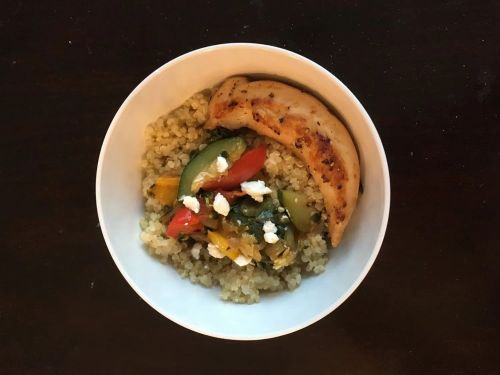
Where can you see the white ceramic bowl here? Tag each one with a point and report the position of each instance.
(120, 205)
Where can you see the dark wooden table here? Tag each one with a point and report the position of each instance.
(427, 74)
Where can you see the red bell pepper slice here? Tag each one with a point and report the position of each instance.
(247, 166)
(184, 221)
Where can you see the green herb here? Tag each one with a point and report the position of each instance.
(249, 207)
(250, 216)
(245, 223)
(263, 216)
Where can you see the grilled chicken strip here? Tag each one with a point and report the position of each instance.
(304, 125)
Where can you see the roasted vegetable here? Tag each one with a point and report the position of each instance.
(184, 221)
(280, 254)
(202, 167)
(243, 169)
(296, 205)
(222, 244)
(208, 217)
(249, 215)
(289, 237)
(285, 259)
(165, 189)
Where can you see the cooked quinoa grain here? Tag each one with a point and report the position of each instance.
(170, 141)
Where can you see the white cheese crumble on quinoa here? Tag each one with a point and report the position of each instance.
(191, 203)
(214, 251)
(256, 189)
(195, 251)
(242, 260)
(270, 230)
(221, 205)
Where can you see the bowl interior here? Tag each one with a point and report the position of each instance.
(120, 205)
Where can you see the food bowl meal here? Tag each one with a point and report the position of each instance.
(242, 191)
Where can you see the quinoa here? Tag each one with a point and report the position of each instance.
(170, 141)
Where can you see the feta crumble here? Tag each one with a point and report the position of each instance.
(256, 189)
(221, 205)
(271, 237)
(191, 203)
(270, 230)
(214, 251)
(222, 164)
(269, 226)
(195, 251)
(242, 260)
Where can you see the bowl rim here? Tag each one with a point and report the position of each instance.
(371, 128)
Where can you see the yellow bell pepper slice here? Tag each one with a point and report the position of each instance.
(223, 245)
(165, 189)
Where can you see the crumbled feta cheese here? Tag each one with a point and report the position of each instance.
(222, 164)
(191, 203)
(195, 251)
(221, 205)
(256, 189)
(214, 251)
(270, 230)
(271, 237)
(242, 260)
(269, 227)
